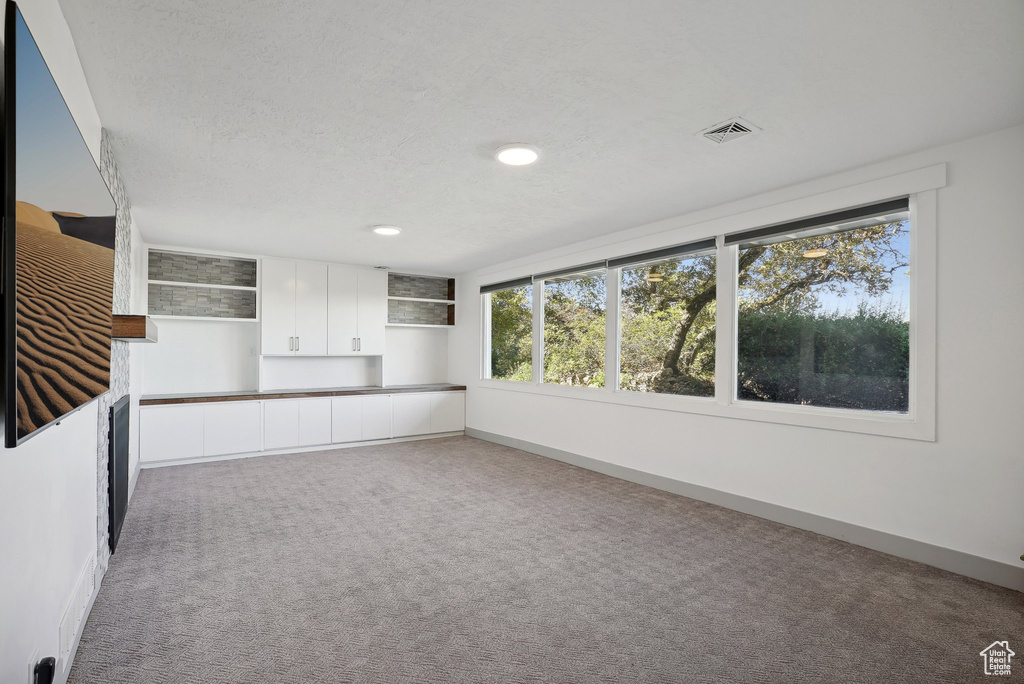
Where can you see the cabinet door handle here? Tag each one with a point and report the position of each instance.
(359, 344)
(353, 344)
(291, 344)
(296, 343)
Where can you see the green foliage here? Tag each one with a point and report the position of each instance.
(574, 331)
(858, 362)
(511, 334)
(651, 313)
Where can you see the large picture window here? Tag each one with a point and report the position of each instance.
(823, 316)
(574, 328)
(667, 326)
(511, 333)
(806, 321)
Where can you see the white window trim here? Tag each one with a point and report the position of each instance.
(920, 185)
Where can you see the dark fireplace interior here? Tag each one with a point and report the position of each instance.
(117, 463)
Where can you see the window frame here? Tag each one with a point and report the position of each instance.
(920, 186)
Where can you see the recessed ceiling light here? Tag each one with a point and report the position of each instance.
(516, 154)
(387, 230)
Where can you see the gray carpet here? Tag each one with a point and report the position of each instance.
(457, 560)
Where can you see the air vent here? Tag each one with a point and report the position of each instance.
(729, 130)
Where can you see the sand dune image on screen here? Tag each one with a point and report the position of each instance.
(65, 272)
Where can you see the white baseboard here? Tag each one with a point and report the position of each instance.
(962, 563)
(294, 450)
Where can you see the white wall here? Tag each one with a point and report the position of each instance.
(415, 356)
(201, 356)
(48, 485)
(47, 535)
(136, 352)
(310, 372)
(961, 492)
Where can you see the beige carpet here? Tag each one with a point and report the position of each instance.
(457, 560)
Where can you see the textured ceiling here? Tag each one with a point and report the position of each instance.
(290, 128)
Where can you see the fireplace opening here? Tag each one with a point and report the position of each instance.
(117, 464)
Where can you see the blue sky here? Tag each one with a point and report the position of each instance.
(898, 294)
(55, 170)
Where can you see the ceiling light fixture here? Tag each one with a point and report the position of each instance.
(517, 154)
(387, 230)
(815, 253)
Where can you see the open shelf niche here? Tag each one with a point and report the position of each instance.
(201, 286)
(420, 301)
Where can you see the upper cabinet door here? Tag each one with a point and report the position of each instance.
(277, 308)
(342, 310)
(310, 308)
(373, 311)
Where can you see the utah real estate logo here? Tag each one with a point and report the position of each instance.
(997, 658)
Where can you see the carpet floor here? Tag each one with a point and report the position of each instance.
(458, 560)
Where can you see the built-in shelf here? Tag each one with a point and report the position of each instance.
(171, 317)
(216, 287)
(209, 287)
(422, 299)
(131, 328)
(418, 301)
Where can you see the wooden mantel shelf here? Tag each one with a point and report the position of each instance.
(133, 329)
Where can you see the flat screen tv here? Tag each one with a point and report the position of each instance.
(58, 249)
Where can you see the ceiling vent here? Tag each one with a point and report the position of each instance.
(728, 131)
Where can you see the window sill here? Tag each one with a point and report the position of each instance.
(863, 422)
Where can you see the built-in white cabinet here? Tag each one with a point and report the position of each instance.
(360, 419)
(315, 309)
(410, 414)
(346, 419)
(424, 414)
(280, 423)
(357, 310)
(314, 421)
(170, 433)
(175, 432)
(293, 316)
(376, 417)
(447, 411)
(231, 427)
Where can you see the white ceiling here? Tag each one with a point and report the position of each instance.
(290, 128)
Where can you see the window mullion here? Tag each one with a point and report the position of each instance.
(485, 317)
(613, 284)
(538, 331)
(725, 323)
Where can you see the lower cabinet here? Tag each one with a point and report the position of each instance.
(376, 423)
(447, 412)
(187, 431)
(314, 421)
(411, 414)
(231, 427)
(424, 414)
(169, 433)
(360, 419)
(280, 423)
